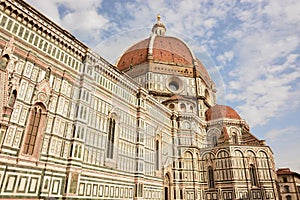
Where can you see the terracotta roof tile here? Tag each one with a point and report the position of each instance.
(135, 55)
(175, 97)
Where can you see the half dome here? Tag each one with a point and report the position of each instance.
(221, 111)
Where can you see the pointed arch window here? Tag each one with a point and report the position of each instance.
(111, 138)
(33, 129)
(211, 180)
(253, 175)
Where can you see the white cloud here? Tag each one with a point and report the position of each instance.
(48, 8)
(225, 57)
(285, 144)
(209, 23)
(80, 17)
(266, 76)
(277, 134)
(111, 48)
(287, 11)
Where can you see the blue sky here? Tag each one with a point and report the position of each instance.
(250, 47)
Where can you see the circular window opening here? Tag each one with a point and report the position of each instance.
(171, 106)
(174, 86)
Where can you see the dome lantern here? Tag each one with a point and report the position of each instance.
(159, 28)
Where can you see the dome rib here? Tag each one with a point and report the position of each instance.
(151, 43)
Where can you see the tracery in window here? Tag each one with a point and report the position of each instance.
(34, 130)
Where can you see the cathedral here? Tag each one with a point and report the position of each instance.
(74, 126)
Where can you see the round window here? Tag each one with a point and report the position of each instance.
(174, 86)
(171, 106)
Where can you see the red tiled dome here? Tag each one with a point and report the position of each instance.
(135, 55)
(221, 111)
(163, 49)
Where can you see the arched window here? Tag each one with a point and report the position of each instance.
(167, 189)
(214, 140)
(4, 60)
(234, 138)
(157, 155)
(211, 180)
(288, 197)
(111, 138)
(12, 98)
(32, 130)
(188, 160)
(183, 107)
(286, 188)
(253, 175)
(213, 136)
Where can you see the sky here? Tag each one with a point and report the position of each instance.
(251, 48)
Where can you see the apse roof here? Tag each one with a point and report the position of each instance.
(221, 111)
